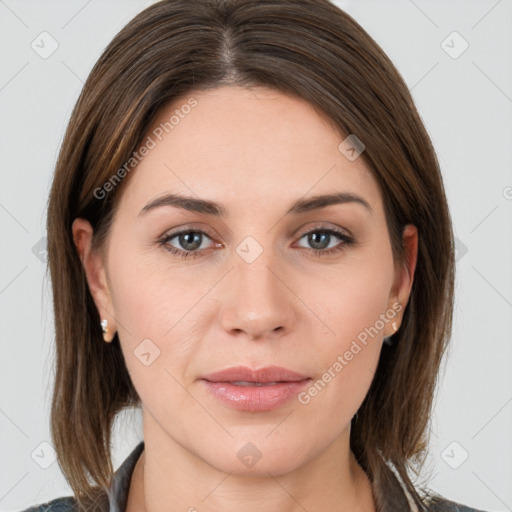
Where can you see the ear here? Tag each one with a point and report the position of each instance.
(404, 276)
(95, 271)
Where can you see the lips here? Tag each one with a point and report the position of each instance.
(251, 390)
(242, 375)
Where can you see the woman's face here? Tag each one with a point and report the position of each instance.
(245, 287)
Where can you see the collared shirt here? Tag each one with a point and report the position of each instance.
(118, 492)
(120, 487)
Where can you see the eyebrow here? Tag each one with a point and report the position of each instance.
(218, 210)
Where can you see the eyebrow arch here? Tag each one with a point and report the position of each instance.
(218, 210)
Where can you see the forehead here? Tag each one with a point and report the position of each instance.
(240, 147)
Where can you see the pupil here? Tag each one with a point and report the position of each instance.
(313, 239)
(190, 245)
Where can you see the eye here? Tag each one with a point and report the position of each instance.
(190, 242)
(321, 236)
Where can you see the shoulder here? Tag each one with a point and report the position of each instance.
(440, 504)
(66, 504)
(97, 500)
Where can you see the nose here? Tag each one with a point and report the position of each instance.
(257, 301)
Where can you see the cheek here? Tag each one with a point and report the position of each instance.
(149, 298)
(162, 322)
(138, 301)
(353, 307)
(351, 300)
(345, 365)
(336, 394)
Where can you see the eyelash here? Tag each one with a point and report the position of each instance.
(346, 241)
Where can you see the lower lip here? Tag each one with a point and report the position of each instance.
(255, 398)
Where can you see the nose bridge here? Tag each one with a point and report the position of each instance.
(253, 264)
(256, 301)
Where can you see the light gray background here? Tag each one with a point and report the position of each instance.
(466, 105)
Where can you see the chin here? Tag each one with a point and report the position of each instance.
(257, 455)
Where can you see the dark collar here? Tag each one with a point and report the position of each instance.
(118, 491)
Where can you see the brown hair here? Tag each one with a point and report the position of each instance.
(309, 48)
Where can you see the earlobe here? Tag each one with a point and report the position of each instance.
(94, 268)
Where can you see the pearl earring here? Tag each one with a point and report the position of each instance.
(393, 324)
(105, 330)
(387, 340)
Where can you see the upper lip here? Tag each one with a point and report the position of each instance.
(263, 375)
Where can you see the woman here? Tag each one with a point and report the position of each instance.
(249, 211)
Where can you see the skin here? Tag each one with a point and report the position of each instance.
(255, 151)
